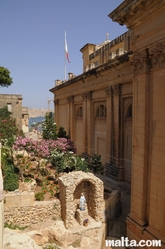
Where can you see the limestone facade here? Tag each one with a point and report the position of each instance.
(96, 110)
(117, 110)
(14, 104)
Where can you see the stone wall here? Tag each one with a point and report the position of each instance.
(14, 104)
(71, 186)
(25, 215)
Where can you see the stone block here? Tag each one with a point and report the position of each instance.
(81, 215)
(15, 199)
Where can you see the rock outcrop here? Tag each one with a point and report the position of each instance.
(14, 239)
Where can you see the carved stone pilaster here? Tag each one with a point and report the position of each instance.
(56, 101)
(108, 91)
(87, 95)
(70, 99)
(116, 90)
(113, 90)
(157, 55)
(140, 62)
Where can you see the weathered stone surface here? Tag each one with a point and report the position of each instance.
(18, 240)
(71, 186)
(25, 215)
(78, 237)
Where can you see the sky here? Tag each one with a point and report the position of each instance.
(32, 42)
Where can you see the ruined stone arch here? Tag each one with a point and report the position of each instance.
(71, 186)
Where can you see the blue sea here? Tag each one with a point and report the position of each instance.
(36, 120)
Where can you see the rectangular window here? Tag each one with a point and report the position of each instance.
(9, 107)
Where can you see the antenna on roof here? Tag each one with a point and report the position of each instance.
(107, 36)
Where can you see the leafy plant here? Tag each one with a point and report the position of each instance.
(39, 196)
(49, 128)
(5, 79)
(51, 247)
(96, 164)
(62, 132)
(8, 127)
(81, 164)
(66, 162)
(11, 181)
(4, 113)
(14, 227)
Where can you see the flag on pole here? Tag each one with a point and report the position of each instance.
(66, 49)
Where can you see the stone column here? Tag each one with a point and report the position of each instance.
(56, 109)
(85, 146)
(89, 122)
(108, 91)
(140, 153)
(156, 186)
(114, 168)
(70, 100)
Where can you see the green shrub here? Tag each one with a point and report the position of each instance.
(67, 162)
(11, 181)
(51, 247)
(62, 132)
(49, 128)
(39, 196)
(14, 227)
(96, 164)
(81, 164)
(8, 128)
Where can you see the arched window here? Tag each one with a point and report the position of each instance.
(80, 112)
(129, 112)
(101, 111)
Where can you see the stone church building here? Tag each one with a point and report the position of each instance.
(116, 108)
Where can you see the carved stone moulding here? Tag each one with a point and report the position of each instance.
(87, 95)
(140, 62)
(56, 101)
(113, 90)
(70, 99)
(157, 55)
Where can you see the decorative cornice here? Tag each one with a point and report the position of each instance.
(131, 12)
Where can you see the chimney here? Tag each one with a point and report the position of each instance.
(70, 76)
(57, 82)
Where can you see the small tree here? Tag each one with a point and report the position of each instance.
(62, 132)
(5, 79)
(49, 128)
(8, 128)
(4, 113)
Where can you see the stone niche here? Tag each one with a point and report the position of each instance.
(71, 186)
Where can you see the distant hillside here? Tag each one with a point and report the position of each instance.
(36, 112)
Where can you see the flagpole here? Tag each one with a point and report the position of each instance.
(65, 57)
